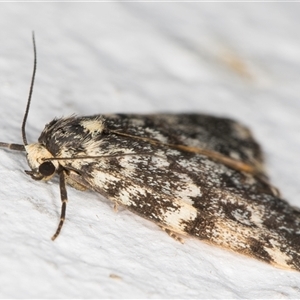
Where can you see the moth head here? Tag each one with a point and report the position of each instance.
(41, 168)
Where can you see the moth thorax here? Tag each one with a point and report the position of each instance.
(37, 156)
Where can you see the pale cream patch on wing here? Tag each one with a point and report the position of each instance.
(279, 257)
(155, 134)
(228, 234)
(103, 180)
(94, 126)
(175, 218)
(129, 165)
(125, 197)
(186, 189)
(257, 215)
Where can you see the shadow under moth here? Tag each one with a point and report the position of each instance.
(192, 174)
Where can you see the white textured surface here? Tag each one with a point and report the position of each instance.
(236, 59)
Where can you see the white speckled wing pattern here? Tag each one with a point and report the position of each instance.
(149, 164)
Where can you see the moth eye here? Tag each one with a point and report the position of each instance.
(47, 168)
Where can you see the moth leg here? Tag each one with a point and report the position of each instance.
(74, 180)
(116, 206)
(64, 200)
(76, 185)
(172, 234)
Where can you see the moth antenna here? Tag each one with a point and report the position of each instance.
(16, 147)
(30, 93)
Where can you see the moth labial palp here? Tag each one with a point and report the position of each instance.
(191, 174)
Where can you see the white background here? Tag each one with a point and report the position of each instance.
(240, 60)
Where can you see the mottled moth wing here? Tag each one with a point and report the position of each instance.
(149, 164)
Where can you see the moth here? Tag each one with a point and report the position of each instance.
(192, 174)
